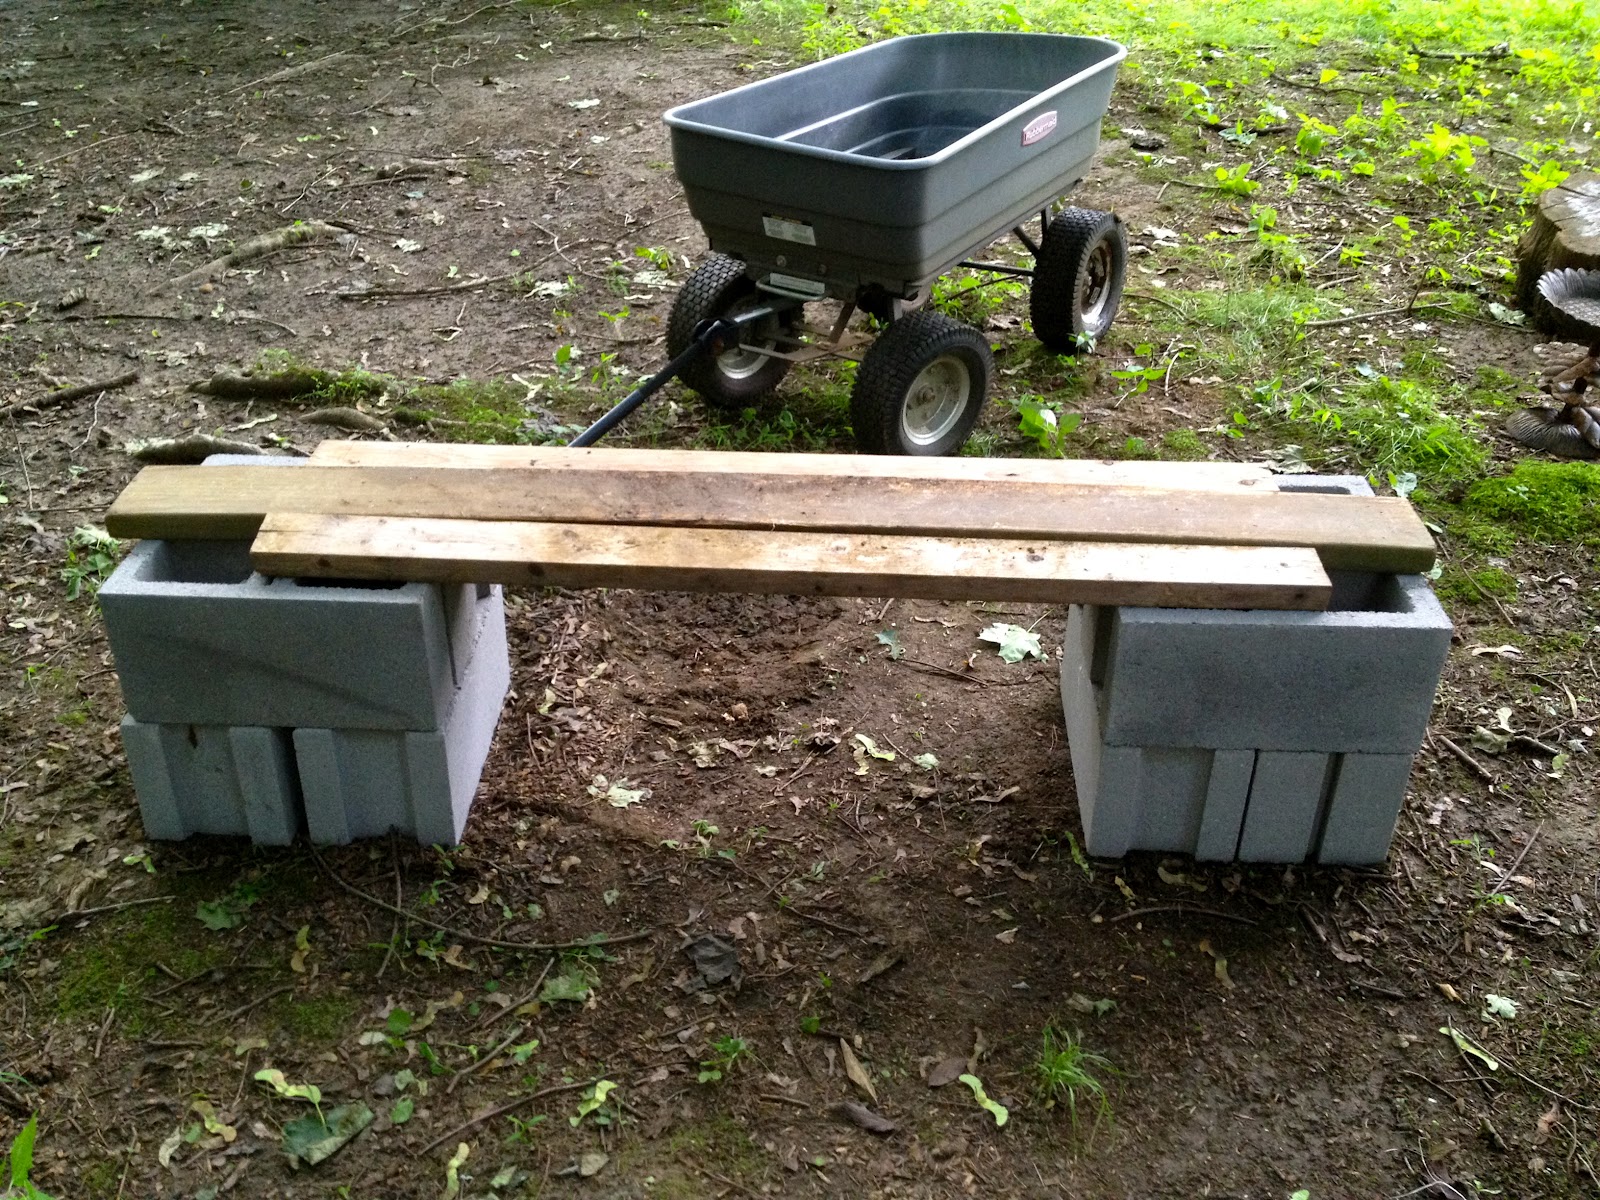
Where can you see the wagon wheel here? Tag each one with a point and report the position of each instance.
(920, 388)
(736, 378)
(1078, 277)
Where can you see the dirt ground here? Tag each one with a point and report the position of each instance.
(1269, 1029)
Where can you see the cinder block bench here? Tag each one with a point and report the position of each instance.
(1238, 720)
(262, 706)
(1256, 735)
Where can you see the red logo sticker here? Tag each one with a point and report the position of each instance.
(1039, 128)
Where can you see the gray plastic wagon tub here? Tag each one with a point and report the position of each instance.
(890, 164)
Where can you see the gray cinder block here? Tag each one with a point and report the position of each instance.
(200, 638)
(1282, 814)
(363, 782)
(212, 779)
(1357, 681)
(1368, 792)
(1263, 736)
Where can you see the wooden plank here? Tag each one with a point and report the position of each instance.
(743, 560)
(1201, 476)
(1351, 532)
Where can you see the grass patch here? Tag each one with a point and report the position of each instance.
(1547, 501)
(1068, 1077)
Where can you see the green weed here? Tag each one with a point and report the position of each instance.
(1068, 1076)
(19, 1163)
(727, 1053)
(92, 555)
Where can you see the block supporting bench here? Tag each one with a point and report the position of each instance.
(1261, 736)
(266, 706)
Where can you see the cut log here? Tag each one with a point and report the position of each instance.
(823, 564)
(1360, 533)
(1565, 233)
(1199, 476)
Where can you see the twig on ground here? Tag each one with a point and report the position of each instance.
(466, 285)
(106, 908)
(1476, 767)
(486, 1059)
(1533, 837)
(465, 935)
(290, 72)
(1368, 316)
(1180, 908)
(502, 1111)
(258, 1002)
(68, 395)
(533, 995)
(257, 247)
(394, 934)
(850, 931)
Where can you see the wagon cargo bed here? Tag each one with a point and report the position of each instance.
(888, 165)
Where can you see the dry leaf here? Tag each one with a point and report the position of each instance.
(1448, 992)
(1007, 936)
(857, 1073)
(947, 1071)
(863, 1116)
(1547, 1123)
(479, 895)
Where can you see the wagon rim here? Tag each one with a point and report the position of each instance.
(740, 362)
(935, 400)
(1097, 277)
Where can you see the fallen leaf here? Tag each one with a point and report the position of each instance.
(1448, 992)
(1085, 1004)
(452, 1172)
(580, 104)
(1007, 936)
(313, 1139)
(856, 1072)
(170, 1147)
(891, 639)
(402, 1110)
(1499, 1006)
(997, 1110)
(1220, 963)
(1547, 1123)
(863, 1116)
(592, 1163)
(1467, 1046)
(1015, 643)
(947, 1071)
(479, 895)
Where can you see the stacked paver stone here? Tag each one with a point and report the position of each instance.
(257, 705)
(1253, 735)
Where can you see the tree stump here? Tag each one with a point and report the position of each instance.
(1565, 233)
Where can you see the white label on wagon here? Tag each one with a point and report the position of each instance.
(786, 230)
(792, 285)
(1039, 128)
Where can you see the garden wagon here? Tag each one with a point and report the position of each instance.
(862, 180)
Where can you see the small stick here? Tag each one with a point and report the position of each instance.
(1180, 908)
(465, 285)
(492, 1018)
(258, 1002)
(1477, 768)
(68, 395)
(256, 247)
(502, 1110)
(394, 933)
(464, 935)
(1533, 837)
(798, 1103)
(487, 1058)
(1367, 316)
(824, 922)
(106, 908)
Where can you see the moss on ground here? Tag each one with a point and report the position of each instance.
(1548, 502)
(1462, 586)
(114, 962)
